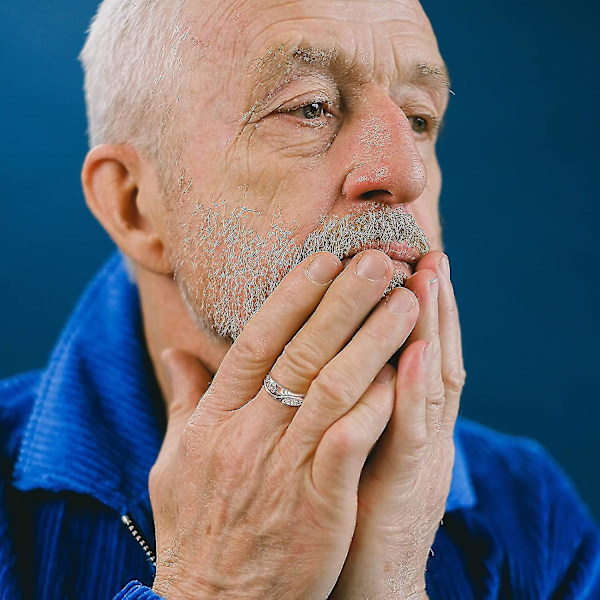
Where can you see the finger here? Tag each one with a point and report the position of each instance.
(188, 380)
(344, 307)
(341, 453)
(344, 380)
(452, 364)
(242, 371)
(406, 435)
(426, 286)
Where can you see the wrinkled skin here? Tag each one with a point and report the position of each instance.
(249, 143)
(256, 500)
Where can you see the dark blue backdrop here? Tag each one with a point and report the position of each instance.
(520, 205)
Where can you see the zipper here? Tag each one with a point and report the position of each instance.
(128, 521)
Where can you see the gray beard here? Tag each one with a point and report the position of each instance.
(241, 268)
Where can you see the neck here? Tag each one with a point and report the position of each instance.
(168, 324)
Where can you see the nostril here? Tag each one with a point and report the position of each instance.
(376, 195)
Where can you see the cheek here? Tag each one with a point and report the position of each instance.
(289, 139)
(277, 150)
(283, 182)
(434, 177)
(426, 208)
(428, 219)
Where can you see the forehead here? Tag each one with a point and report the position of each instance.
(378, 38)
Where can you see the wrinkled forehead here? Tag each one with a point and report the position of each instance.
(255, 40)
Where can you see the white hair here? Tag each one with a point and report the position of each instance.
(133, 75)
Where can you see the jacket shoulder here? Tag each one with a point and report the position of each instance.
(520, 465)
(530, 507)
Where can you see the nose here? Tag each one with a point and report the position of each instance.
(386, 165)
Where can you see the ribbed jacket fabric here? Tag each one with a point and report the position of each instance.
(77, 441)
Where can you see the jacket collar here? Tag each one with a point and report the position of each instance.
(98, 418)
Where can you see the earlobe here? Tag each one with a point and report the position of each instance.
(122, 191)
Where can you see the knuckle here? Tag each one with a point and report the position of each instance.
(456, 380)
(252, 351)
(417, 440)
(300, 358)
(346, 439)
(435, 400)
(385, 334)
(437, 395)
(334, 391)
(346, 301)
(450, 308)
(376, 333)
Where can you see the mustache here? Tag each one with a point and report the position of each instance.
(380, 228)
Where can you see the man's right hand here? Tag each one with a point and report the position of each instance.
(255, 499)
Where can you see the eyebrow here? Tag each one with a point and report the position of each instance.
(438, 73)
(281, 61)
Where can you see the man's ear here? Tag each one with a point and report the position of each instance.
(122, 190)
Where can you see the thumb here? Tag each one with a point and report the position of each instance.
(189, 380)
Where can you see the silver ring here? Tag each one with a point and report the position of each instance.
(280, 393)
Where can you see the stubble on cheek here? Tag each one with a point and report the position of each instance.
(226, 270)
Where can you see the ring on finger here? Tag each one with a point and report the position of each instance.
(280, 393)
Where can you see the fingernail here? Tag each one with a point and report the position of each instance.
(444, 267)
(322, 269)
(385, 375)
(372, 266)
(401, 301)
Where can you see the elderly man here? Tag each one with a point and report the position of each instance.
(262, 385)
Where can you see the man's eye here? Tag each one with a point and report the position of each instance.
(314, 110)
(419, 124)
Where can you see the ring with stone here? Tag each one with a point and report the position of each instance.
(280, 393)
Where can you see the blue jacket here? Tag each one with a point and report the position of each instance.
(77, 441)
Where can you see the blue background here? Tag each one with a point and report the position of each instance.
(520, 205)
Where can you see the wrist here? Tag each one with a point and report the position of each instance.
(384, 582)
(381, 578)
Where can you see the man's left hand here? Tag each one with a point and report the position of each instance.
(398, 515)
